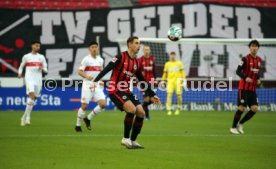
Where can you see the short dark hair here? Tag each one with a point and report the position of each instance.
(93, 43)
(255, 42)
(36, 41)
(172, 53)
(131, 39)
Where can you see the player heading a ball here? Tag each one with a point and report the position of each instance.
(174, 33)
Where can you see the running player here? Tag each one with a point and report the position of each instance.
(248, 70)
(35, 63)
(125, 66)
(90, 67)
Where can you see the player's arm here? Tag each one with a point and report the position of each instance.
(44, 65)
(154, 72)
(150, 92)
(21, 67)
(165, 72)
(258, 75)
(81, 70)
(182, 72)
(115, 61)
(240, 68)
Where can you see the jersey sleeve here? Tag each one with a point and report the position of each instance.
(83, 64)
(165, 71)
(44, 65)
(240, 68)
(182, 72)
(114, 62)
(141, 78)
(23, 63)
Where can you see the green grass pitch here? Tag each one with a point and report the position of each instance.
(192, 140)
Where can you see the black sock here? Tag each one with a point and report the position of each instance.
(146, 108)
(128, 124)
(137, 126)
(248, 116)
(237, 118)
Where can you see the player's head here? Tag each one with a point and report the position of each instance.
(172, 56)
(253, 47)
(93, 48)
(146, 50)
(35, 46)
(133, 44)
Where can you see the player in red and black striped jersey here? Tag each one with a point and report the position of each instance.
(248, 70)
(125, 66)
(147, 62)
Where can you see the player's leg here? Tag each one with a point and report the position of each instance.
(146, 104)
(29, 107)
(179, 98)
(25, 119)
(80, 116)
(130, 110)
(86, 96)
(241, 108)
(253, 104)
(100, 98)
(137, 126)
(170, 90)
(122, 101)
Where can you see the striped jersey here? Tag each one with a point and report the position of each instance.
(250, 67)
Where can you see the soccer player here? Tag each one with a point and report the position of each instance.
(175, 75)
(147, 62)
(35, 63)
(125, 66)
(90, 67)
(248, 70)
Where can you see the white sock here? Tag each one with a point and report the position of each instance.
(80, 116)
(29, 107)
(94, 112)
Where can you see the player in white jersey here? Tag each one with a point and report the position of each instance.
(35, 63)
(90, 67)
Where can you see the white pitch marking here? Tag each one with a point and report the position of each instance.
(13, 25)
(113, 135)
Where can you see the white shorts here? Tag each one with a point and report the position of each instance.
(35, 87)
(87, 94)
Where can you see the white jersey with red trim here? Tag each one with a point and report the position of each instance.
(91, 66)
(35, 64)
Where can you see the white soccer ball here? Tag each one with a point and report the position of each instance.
(174, 33)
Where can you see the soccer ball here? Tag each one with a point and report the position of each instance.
(174, 33)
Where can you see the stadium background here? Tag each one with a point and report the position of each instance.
(66, 28)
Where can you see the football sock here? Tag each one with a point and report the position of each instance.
(128, 124)
(248, 116)
(29, 107)
(169, 101)
(136, 129)
(237, 118)
(94, 112)
(80, 116)
(146, 108)
(179, 101)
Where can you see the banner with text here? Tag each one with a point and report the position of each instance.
(65, 34)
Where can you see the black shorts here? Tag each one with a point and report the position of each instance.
(119, 98)
(247, 98)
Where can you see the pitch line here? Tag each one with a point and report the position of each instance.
(116, 135)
